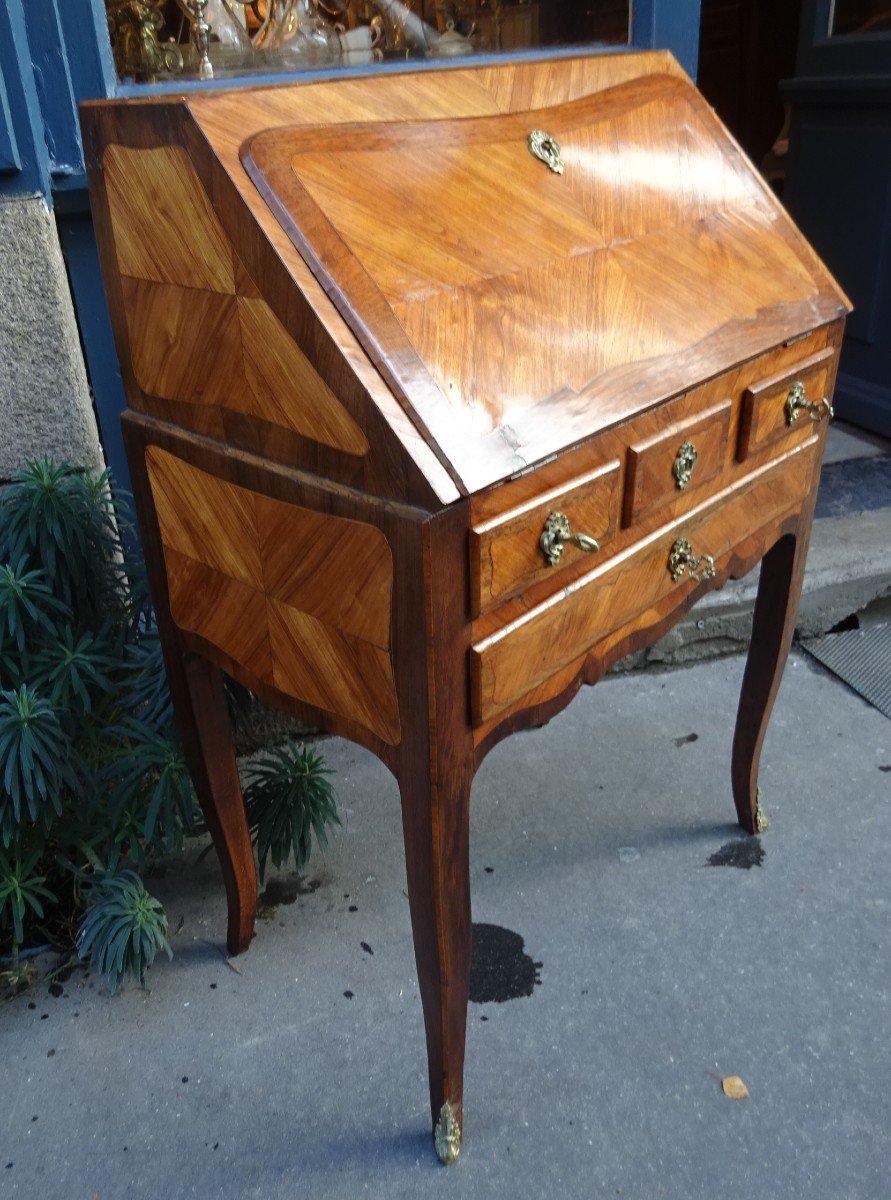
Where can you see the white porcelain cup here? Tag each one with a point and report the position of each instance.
(360, 38)
(355, 58)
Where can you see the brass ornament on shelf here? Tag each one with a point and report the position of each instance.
(447, 1135)
(557, 533)
(222, 36)
(133, 29)
(684, 463)
(797, 403)
(683, 561)
(544, 147)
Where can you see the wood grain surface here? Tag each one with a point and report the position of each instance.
(370, 344)
(505, 555)
(551, 637)
(302, 600)
(389, 338)
(618, 443)
(165, 227)
(199, 332)
(472, 326)
(763, 419)
(651, 480)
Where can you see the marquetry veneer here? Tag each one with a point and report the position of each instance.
(425, 433)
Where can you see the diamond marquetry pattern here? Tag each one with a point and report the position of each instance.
(200, 332)
(301, 600)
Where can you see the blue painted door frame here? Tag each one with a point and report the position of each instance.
(838, 189)
(53, 55)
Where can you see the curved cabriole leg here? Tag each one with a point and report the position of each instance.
(202, 715)
(779, 589)
(435, 821)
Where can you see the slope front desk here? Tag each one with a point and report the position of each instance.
(446, 390)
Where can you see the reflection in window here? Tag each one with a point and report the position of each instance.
(156, 39)
(859, 16)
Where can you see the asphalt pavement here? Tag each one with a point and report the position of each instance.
(651, 950)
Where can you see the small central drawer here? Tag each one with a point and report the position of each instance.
(678, 459)
(506, 553)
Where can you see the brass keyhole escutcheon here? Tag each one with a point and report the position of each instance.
(544, 147)
(797, 403)
(557, 533)
(684, 464)
(683, 561)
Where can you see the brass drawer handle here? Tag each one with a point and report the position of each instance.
(543, 146)
(797, 403)
(683, 559)
(557, 533)
(684, 464)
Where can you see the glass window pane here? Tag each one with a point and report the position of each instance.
(156, 39)
(860, 16)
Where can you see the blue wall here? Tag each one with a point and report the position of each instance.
(668, 25)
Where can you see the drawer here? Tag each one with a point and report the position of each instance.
(505, 551)
(772, 407)
(513, 661)
(680, 458)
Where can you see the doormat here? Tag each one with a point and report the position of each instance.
(861, 658)
(854, 485)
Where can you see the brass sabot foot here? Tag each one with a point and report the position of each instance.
(447, 1135)
(761, 821)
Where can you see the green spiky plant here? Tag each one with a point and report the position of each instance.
(289, 798)
(124, 929)
(93, 781)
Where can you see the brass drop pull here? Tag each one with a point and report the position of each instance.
(682, 559)
(797, 403)
(684, 464)
(544, 147)
(557, 533)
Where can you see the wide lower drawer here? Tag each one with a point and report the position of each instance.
(507, 665)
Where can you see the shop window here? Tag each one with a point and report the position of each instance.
(159, 39)
(859, 16)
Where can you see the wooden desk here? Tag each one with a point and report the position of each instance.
(425, 432)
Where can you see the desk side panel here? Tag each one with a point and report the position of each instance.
(212, 333)
(301, 600)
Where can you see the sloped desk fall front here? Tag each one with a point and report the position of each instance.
(426, 428)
